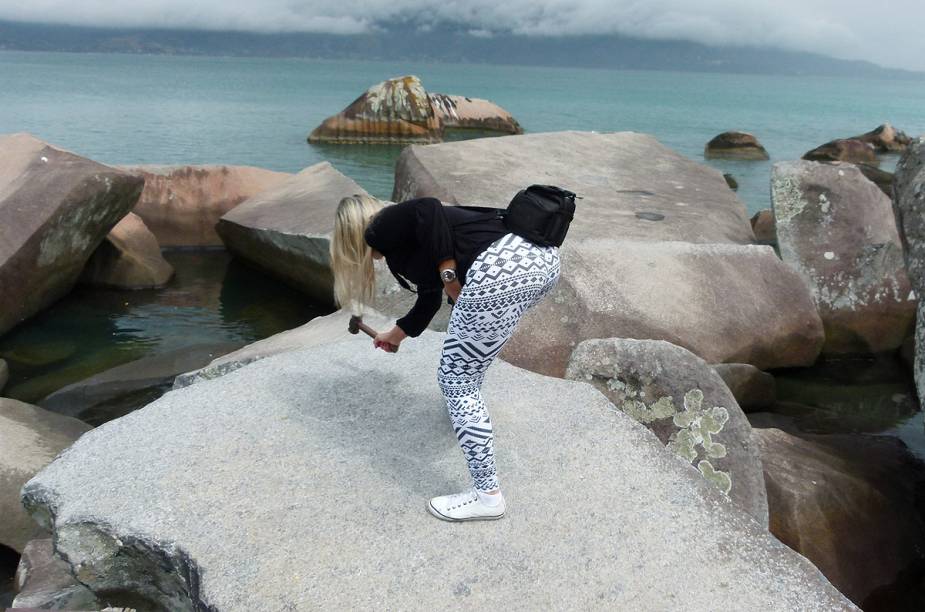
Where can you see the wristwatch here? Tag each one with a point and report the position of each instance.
(448, 275)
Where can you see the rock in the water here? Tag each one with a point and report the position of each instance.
(394, 111)
(625, 274)
(400, 111)
(763, 226)
(732, 182)
(845, 150)
(30, 437)
(837, 229)
(182, 204)
(735, 145)
(752, 388)
(55, 209)
(44, 581)
(129, 258)
(909, 206)
(4, 373)
(846, 502)
(119, 390)
(286, 230)
(881, 178)
(461, 112)
(685, 403)
(885, 139)
(251, 461)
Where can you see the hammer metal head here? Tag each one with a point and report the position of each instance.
(354, 325)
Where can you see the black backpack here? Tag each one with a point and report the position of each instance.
(541, 214)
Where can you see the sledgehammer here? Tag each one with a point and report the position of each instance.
(356, 325)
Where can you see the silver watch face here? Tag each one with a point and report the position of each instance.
(448, 275)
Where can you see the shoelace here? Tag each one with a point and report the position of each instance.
(462, 499)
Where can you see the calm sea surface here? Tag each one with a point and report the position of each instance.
(256, 111)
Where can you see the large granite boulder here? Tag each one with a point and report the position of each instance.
(30, 437)
(286, 230)
(845, 150)
(735, 145)
(885, 139)
(685, 403)
(44, 581)
(849, 503)
(129, 258)
(464, 113)
(909, 207)
(119, 390)
(265, 458)
(401, 111)
(837, 230)
(660, 248)
(182, 204)
(55, 209)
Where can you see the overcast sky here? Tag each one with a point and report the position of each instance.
(888, 32)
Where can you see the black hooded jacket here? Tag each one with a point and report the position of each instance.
(416, 235)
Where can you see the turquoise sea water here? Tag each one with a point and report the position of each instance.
(258, 111)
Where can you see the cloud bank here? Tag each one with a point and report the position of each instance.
(888, 32)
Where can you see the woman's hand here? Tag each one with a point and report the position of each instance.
(453, 290)
(389, 339)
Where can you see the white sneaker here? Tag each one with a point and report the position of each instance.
(465, 506)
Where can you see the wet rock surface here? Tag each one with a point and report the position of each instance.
(55, 209)
(129, 258)
(849, 503)
(626, 274)
(173, 521)
(685, 403)
(30, 437)
(735, 145)
(182, 204)
(845, 150)
(885, 139)
(837, 230)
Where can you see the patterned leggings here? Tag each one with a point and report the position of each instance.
(504, 281)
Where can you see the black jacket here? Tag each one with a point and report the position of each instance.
(416, 235)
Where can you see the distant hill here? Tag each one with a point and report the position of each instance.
(445, 44)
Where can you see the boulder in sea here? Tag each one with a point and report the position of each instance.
(735, 145)
(885, 139)
(400, 111)
(129, 258)
(763, 226)
(845, 150)
(660, 248)
(44, 581)
(464, 113)
(849, 503)
(909, 206)
(837, 230)
(286, 230)
(685, 403)
(752, 388)
(182, 204)
(252, 460)
(55, 209)
(119, 390)
(30, 437)
(732, 182)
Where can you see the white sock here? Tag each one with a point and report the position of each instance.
(490, 500)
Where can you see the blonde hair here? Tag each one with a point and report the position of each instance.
(351, 257)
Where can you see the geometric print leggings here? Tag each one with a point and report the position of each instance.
(504, 281)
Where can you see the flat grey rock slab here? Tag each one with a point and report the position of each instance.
(299, 482)
(619, 176)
